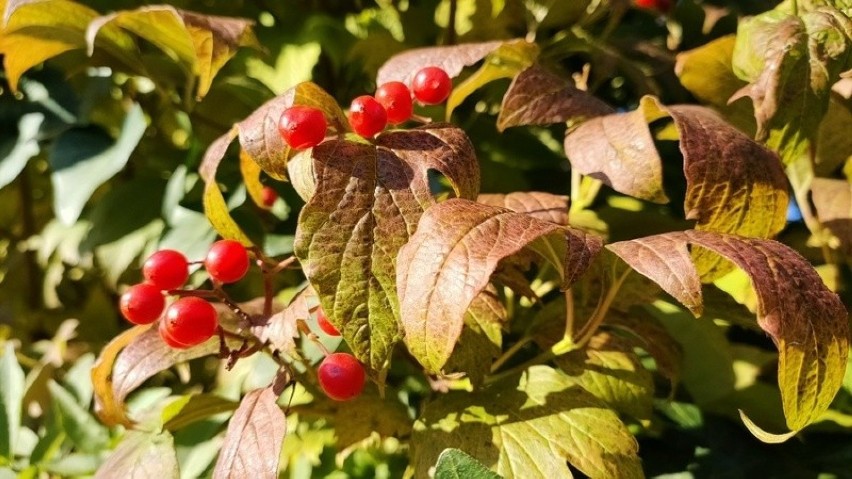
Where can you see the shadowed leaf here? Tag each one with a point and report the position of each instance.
(653, 338)
(544, 206)
(833, 201)
(142, 454)
(452, 59)
(807, 322)
(528, 427)
(367, 203)
(540, 97)
(253, 442)
(451, 257)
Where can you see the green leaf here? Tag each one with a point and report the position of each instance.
(528, 427)
(259, 134)
(367, 203)
(653, 338)
(202, 44)
(791, 62)
(255, 434)
(190, 408)
(84, 431)
(471, 239)
(456, 464)
(539, 97)
(481, 340)
(16, 151)
(142, 455)
(11, 395)
(807, 322)
(506, 61)
(84, 158)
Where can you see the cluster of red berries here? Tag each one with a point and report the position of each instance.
(190, 320)
(304, 127)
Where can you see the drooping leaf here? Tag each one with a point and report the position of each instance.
(11, 396)
(540, 97)
(450, 259)
(84, 158)
(544, 206)
(506, 61)
(259, 135)
(16, 151)
(791, 62)
(190, 408)
(281, 329)
(456, 464)
(367, 203)
(528, 427)
(202, 44)
(253, 441)
(807, 322)
(142, 454)
(215, 207)
(452, 59)
(833, 202)
(82, 428)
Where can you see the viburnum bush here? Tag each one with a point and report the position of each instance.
(427, 315)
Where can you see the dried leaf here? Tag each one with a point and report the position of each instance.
(544, 206)
(807, 322)
(367, 203)
(452, 59)
(540, 97)
(450, 259)
(833, 201)
(142, 455)
(253, 442)
(281, 329)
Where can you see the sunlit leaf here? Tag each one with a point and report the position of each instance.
(833, 201)
(142, 454)
(250, 171)
(540, 205)
(190, 408)
(11, 396)
(450, 259)
(528, 427)
(456, 464)
(82, 428)
(281, 329)
(17, 150)
(452, 59)
(807, 322)
(215, 207)
(253, 441)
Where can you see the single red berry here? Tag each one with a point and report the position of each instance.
(431, 85)
(396, 98)
(166, 269)
(663, 6)
(227, 261)
(142, 303)
(268, 196)
(190, 321)
(341, 376)
(325, 325)
(167, 338)
(367, 116)
(302, 127)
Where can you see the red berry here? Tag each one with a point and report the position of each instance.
(227, 261)
(663, 6)
(268, 196)
(302, 127)
(396, 98)
(325, 325)
(142, 303)
(367, 116)
(341, 376)
(190, 321)
(167, 337)
(431, 85)
(166, 269)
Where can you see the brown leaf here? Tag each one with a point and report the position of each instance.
(833, 201)
(544, 206)
(807, 322)
(253, 442)
(450, 259)
(281, 329)
(452, 59)
(142, 455)
(540, 97)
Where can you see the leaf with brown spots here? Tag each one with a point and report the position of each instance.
(450, 259)
(540, 97)
(368, 200)
(807, 322)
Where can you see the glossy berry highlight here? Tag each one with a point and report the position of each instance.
(227, 261)
(325, 325)
(188, 322)
(302, 127)
(395, 97)
(367, 116)
(341, 376)
(142, 303)
(268, 196)
(431, 85)
(166, 269)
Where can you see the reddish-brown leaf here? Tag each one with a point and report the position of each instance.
(807, 322)
(540, 97)
(450, 259)
(281, 329)
(254, 438)
(452, 59)
(544, 206)
(833, 201)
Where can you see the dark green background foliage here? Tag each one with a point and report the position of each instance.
(99, 167)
